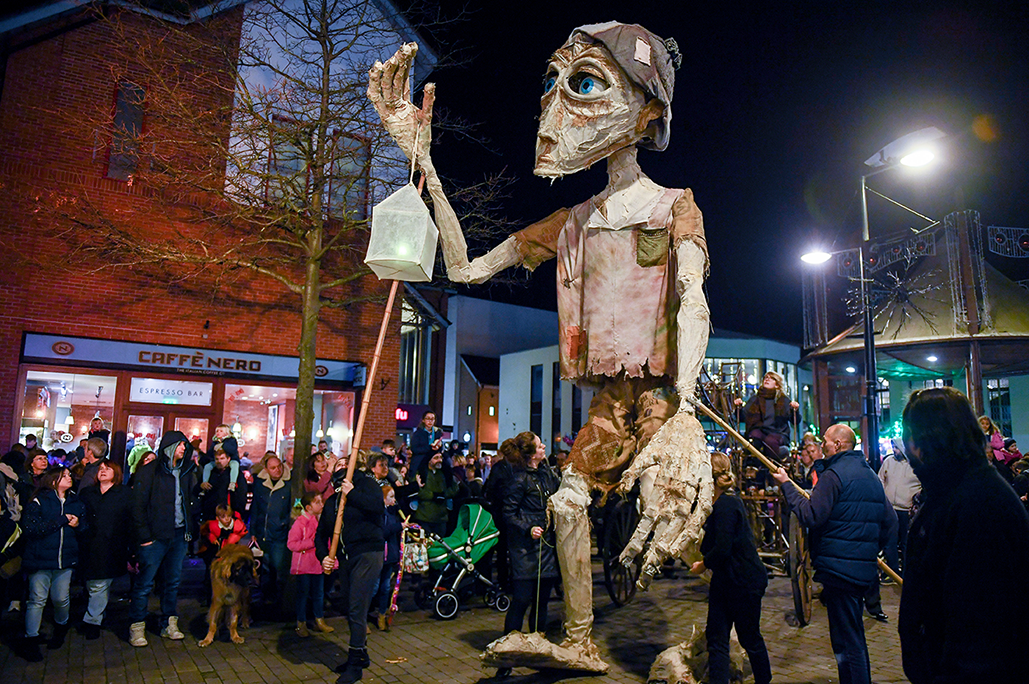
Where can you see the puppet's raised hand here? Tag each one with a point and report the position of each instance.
(679, 501)
(389, 89)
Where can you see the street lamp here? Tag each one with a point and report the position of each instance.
(914, 149)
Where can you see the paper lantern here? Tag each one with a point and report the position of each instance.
(403, 241)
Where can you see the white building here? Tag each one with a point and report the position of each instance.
(531, 394)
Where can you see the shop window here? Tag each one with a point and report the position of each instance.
(58, 407)
(123, 157)
(999, 398)
(555, 410)
(349, 177)
(536, 399)
(145, 432)
(882, 404)
(262, 418)
(347, 174)
(576, 409)
(415, 347)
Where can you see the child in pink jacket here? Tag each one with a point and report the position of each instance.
(307, 566)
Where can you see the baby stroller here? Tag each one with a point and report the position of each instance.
(455, 558)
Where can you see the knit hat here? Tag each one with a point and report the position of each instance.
(650, 63)
(1008, 442)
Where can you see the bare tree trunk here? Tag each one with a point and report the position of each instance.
(308, 353)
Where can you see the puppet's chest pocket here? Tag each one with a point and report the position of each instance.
(651, 247)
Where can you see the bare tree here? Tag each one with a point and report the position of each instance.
(250, 135)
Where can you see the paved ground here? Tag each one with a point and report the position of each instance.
(422, 649)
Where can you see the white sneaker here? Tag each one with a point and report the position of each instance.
(137, 634)
(172, 630)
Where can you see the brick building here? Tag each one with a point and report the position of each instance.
(145, 350)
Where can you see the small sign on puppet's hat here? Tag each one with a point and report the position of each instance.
(403, 240)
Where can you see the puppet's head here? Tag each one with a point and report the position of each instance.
(609, 87)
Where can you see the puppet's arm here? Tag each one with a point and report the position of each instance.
(389, 89)
(675, 460)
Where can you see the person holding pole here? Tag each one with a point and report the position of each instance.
(360, 555)
(849, 520)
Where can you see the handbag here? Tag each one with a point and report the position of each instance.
(415, 558)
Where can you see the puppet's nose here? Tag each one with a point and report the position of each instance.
(551, 122)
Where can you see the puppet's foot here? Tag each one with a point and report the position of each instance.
(687, 662)
(535, 652)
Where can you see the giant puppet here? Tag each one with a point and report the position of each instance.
(633, 316)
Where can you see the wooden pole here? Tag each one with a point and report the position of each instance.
(772, 467)
(365, 402)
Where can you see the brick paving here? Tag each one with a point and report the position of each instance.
(422, 649)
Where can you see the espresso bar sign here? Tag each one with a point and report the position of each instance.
(158, 391)
(198, 360)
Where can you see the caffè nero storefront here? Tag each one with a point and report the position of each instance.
(141, 391)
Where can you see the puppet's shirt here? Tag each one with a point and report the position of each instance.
(616, 299)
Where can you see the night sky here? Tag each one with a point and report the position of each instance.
(776, 106)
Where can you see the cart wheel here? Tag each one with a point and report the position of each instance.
(619, 524)
(800, 571)
(503, 603)
(446, 605)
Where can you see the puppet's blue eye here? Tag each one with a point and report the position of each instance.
(584, 83)
(548, 83)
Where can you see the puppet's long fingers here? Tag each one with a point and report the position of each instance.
(390, 95)
(375, 88)
(408, 61)
(649, 457)
(428, 100)
(400, 73)
(639, 537)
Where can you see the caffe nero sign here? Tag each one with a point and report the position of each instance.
(81, 351)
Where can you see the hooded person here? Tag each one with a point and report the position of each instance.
(162, 510)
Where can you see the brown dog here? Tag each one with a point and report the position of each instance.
(233, 571)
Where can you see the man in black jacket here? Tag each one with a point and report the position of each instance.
(162, 511)
(269, 522)
(849, 520)
(360, 555)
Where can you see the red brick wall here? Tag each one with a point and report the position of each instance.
(46, 147)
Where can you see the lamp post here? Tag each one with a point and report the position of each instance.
(871, 376)
(909, 150)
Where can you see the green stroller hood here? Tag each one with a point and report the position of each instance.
(474, 536)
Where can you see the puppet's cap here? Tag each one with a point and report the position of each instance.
(649, 61)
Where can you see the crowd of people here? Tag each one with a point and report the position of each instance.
(72, 511)
(943, 506)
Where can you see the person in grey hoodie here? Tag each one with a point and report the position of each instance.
(162, 511)
(901, 485)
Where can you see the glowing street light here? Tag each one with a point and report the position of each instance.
(815, 256)
(914, 149)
